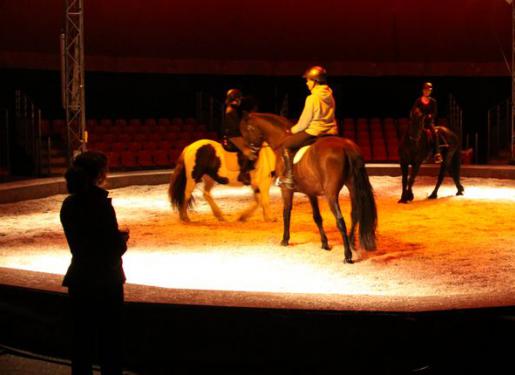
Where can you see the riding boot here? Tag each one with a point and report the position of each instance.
(438, 155)
(287, 179)
(245, 166)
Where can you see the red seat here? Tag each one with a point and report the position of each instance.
(154, 137)
(173, 155)
(190, 121)
(380, 153)
(131, 129)
(177, 121)
(99, 146)
(101, 129)
(116, 130)
(135, 122)
(180, 144)
(145, 158)
(202, 127)
(113, 159)
(91, 125)
(163, 122)
(120, 122)
(171, 136)
(149, 145)
(93, 137)
(134, 146)
(106, 122)
(118, 146)
(107, 138)
(125, 138)
(164, 145)
(150, 122)
(140, 138)
(128, 159)
(160, 158)
(161, 129)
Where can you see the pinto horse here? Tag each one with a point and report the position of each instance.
(207, 161)
(416, 146)
(324, 168)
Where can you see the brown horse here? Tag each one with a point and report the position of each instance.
(326, 166)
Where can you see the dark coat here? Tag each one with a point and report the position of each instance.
(96, 244)
(426, 112)
(231, 123)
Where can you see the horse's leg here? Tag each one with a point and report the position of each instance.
(264, 190)
(244, 216)
(405, 171)
(411, 181)
(208, 185)
(287, 205)
(319, 222)
(335, 208)
(354, 217)
(441, 175)
(188, 191)
(455, 172)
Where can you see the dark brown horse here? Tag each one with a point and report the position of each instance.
(330, 163)
(416, 145)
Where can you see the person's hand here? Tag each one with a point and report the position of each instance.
(125, 233)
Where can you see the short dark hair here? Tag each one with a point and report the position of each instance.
(85, 171)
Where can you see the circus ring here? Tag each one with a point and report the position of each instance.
(438, 294)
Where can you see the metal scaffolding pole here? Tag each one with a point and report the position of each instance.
(512, 81)
(74, 100)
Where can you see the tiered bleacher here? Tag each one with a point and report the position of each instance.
(138, 144)
(151, 143)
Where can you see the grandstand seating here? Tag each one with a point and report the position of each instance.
(157, 143)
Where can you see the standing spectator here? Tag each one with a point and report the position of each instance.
(95, 276)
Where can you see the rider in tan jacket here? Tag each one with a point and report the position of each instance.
(317, 119)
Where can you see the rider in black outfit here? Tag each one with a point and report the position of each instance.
(425, 109)
(233, 137)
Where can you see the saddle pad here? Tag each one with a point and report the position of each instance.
(300, 154)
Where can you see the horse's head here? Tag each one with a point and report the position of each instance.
(259, 127)
(251, 131)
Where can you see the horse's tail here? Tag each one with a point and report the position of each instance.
(362, 200)
(177, 186)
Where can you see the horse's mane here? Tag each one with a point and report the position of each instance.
(273, 119)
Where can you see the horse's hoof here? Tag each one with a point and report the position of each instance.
(326, 247)
(432, 196)
(460, 192)
(402, 201)
(348, 261)
(242, 219)
(271, 220)
(410, 197)
(284, 243)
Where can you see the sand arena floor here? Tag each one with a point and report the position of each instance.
(459, 247)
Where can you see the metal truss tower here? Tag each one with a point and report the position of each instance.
(512, 161)
(72, 44)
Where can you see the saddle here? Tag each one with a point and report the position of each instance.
(301, 151)
(429, 136)
(228, 145)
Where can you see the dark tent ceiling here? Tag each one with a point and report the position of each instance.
(350, 37)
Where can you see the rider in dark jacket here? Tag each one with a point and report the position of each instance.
(232, 134)
(425, 109)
